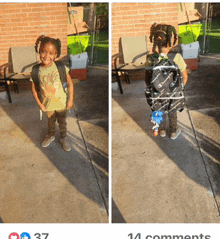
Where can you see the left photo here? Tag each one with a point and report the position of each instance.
(54, 112)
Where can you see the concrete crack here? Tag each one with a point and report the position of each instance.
(96, 177)
(200, 151)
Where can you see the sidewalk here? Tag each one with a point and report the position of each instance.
(49, 185)
(157, 180)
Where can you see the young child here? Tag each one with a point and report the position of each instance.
(52, 99)
(161, 36)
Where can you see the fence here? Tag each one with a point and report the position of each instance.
(210, 35)
(100, 53)
(95, 40)
(213, 28)
(99, 44)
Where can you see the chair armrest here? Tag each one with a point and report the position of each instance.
(140, 55)
(5, 70)
(115, 59)
(2, 69)
(6, 75)
(24, 73)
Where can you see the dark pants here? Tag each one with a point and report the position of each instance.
(172, 117)
(60, 116)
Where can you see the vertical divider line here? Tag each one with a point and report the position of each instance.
(110, 109)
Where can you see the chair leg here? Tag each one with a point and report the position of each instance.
(119, 83)
(16, 87)
(8, 92)
(127, 78)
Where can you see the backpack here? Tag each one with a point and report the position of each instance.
(165, 88)
(62, 72)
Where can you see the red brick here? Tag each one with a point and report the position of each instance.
(33, 5)
(22, 23)
(115, 8)
(35, 9)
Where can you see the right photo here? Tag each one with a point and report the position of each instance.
(165, 112)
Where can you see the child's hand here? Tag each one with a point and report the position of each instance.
(69, 104)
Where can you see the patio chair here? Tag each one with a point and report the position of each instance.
(132, 55)
(21, 61)
(115, 75)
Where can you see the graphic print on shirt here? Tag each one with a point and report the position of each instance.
(50, 84)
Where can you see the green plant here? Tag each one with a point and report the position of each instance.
(101, 8)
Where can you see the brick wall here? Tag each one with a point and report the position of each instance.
(135, 19)
(22, 23)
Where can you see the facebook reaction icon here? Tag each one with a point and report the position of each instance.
(25, 235)
(13, 235)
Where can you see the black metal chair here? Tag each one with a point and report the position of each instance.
(115, 75)
(131, 57)
(21, 61)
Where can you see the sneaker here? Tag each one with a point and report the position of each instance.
(176, 134)
(66, 145)
(162, 133)
(47, 141)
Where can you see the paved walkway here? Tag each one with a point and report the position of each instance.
(49, 185)
(157, 180)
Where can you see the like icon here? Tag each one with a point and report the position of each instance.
(25, 235)
(13, 235)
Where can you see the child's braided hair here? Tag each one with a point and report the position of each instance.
(161, 35)
(45, 39)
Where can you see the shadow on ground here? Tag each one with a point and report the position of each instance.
(72, 164)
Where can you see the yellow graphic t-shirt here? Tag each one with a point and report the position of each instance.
(51, 89)
(178, 59)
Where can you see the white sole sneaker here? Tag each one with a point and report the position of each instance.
(47, 141)
(175, 135)
(66, 145)
(162, 133)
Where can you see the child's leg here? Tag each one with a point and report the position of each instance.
(50, 136)
(163, 122)
(173, 126)
(162, 126)
(51, 117)
(173, 121)
(61, 119)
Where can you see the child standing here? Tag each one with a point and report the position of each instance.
(51, 97)
(161, 36)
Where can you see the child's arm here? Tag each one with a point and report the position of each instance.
(178, 59)
(35, 95)
(185, 76)
(70, 91)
